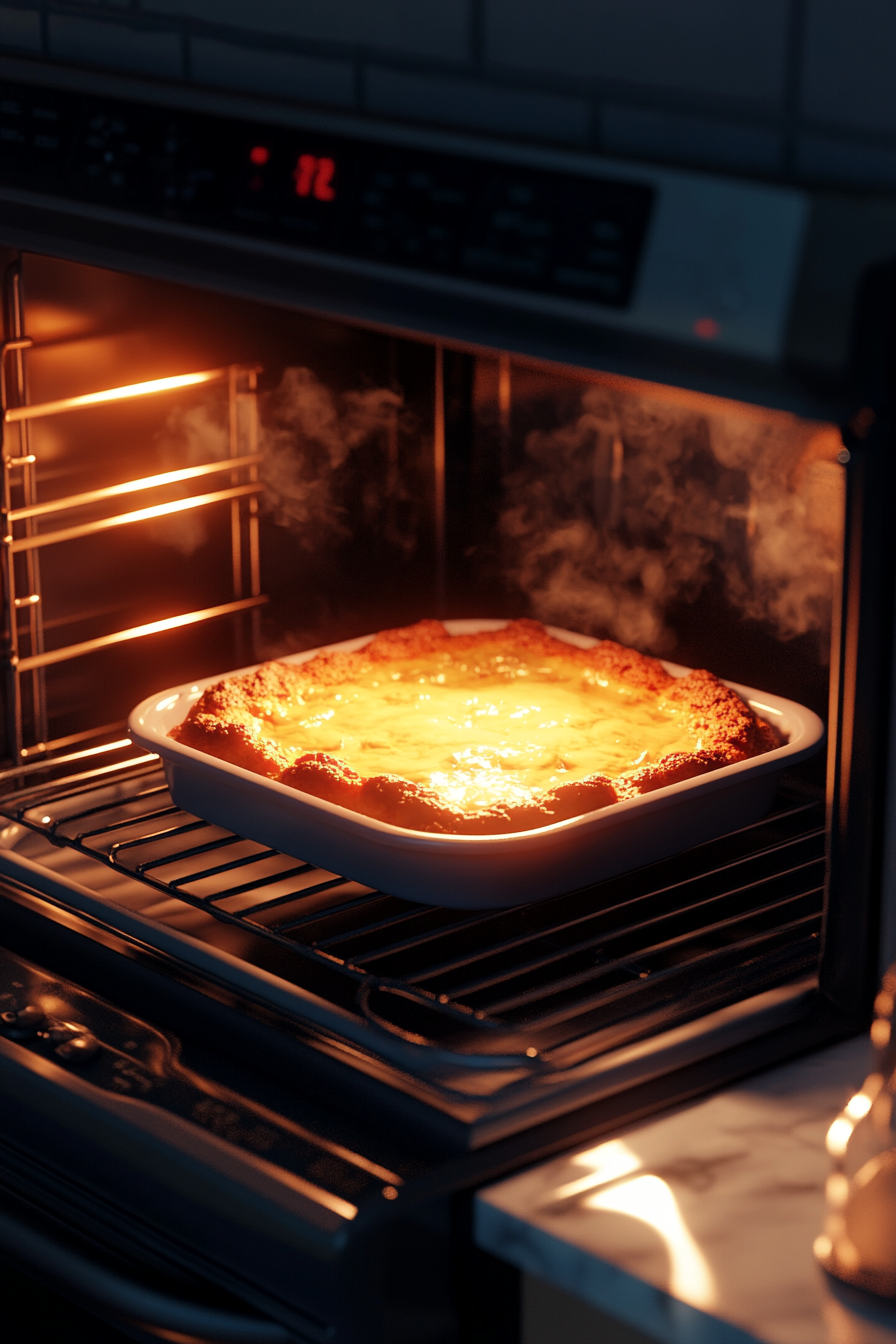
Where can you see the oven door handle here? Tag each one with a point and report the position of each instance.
(157, 1313)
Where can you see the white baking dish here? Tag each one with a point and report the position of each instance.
(474, 871)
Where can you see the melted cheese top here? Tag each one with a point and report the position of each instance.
(494, 729)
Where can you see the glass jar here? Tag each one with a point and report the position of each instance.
(858, 1244)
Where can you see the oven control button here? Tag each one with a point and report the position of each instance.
(77, 1050)
(23, 1022)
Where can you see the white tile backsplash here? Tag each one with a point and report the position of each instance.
(525, 113)
(849, 66)
(19, 29)
(689, 137)
(281, 74)
(115, 45)
(847, 161)
(720, 48)
(798, 90)
(424, 28)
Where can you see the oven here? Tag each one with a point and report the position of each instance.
(269, 384)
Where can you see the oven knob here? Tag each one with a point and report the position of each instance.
(77, 1050)
(21, 1023)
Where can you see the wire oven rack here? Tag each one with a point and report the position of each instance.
(23, 656)
(562, 978)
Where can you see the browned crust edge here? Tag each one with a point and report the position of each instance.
(225, 722)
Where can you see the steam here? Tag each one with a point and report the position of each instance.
(192, 435)
(639, 504)
(633, 507)
(794, 522)
(308, 437)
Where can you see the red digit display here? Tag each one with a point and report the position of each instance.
(304, 174)
(314, 176)
(324, 176)
(259, 155)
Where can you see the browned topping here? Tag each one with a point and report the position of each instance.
(628, 666)
(227, 722)
(719, 719)
(671, 770)
(233, 742)
(393, 799)
(325, 777)
(583, 795)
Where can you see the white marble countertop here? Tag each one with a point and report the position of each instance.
(696, 1227)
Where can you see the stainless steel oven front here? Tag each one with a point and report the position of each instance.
(269, 383)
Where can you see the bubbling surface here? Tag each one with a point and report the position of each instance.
(482, 729)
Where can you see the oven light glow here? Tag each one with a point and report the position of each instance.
(112, 394)
(135, 516)
(127, 488)
(839, 1135)
(649, 1199)
(167, 703)
(858, 1106)
(880, 1033)
(136, 632)
(259, 155)
(836, 1189)
(314, 176)
(823, 1247)
(608, 1162)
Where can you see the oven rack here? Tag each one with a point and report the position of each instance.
(562, 978)
(24, 534)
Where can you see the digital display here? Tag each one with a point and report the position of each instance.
(516, 228)
(314, 177)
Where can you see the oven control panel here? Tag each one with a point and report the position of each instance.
(573, 236)
(417, 229)
(73, 1028)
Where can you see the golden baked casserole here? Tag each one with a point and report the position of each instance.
(478, 734)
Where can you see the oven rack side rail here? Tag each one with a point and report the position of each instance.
(24, 533)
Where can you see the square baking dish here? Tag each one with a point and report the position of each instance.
(474, 871)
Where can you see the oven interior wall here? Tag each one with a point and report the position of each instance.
(400, 480)
(404, 480)
(97, 329)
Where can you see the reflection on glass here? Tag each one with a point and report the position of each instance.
(858, 1243)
